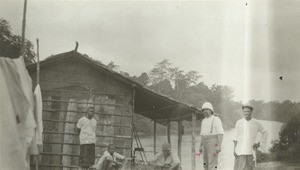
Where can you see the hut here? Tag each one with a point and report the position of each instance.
(70, 82)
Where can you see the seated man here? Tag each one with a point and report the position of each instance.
(108, 161)
(166, 160)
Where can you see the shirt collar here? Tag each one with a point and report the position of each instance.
(209, 117)
(248, 120)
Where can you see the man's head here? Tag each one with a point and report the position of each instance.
(207, 109)
(247, 110)
(90, 112)
(111, 148)
(166, 149)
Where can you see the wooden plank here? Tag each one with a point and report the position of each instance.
(77, 144)
(79, 83)
(22, 51)
(58, 154)
(154, 133)
(84, 92)
(73, 122)
(37, 82)
(193, 156)
(72, 73)
(91, 103)
(38, 62)
(69, 133)
(53, 165)
(77, 111)
(175, 118)
(132, 115)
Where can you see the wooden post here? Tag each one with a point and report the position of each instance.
(193, 141)
(132, 123)
(169, 131)
(179, 136)
(38, 62)
(22, 51)
(154, 133)
(37, 83)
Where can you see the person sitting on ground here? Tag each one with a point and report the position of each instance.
(109, 159)
(166, 160)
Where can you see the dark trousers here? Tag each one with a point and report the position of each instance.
(87, 155)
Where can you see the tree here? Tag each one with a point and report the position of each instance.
(287, 148)
(285, 110)
(164, 87)
(113, 66)
(10, 44)
(180, 80)
(160, 72)
(196, 94)
(143, 78)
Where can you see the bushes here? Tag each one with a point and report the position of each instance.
(264, 157)
(287, 148)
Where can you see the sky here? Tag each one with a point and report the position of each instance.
(226, 42)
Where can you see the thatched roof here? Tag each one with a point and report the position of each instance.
(147, 102)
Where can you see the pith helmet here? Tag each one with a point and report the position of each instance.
(207, 105)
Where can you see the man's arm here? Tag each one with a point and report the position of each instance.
(110, 160)
(201, 138)
(220, 132)
(220, 139)
(235, 138)
(234, 153)
(119, 156)
(201, 144)
(78, 130)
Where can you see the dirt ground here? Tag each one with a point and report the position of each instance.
(277, 166)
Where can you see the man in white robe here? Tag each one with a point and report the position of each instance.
(246, 140)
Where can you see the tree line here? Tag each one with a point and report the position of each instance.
(171, 81)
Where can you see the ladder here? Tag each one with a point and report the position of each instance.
(139, 148)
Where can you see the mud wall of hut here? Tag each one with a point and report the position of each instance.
(68, 88)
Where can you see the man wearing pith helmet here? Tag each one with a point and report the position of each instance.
(246, 140)
(211, 136)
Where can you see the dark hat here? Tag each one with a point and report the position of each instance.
(247, 105)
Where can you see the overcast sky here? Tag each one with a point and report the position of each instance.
(227, 42)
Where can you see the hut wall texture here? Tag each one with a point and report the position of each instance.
(68, 88)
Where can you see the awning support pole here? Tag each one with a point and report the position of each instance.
(193, 141)
(179, 136)
(169, 131)
(154, 133)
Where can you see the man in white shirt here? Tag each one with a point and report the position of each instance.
(211, 136)
(87, 137)
(246, 141)
(109, 159)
